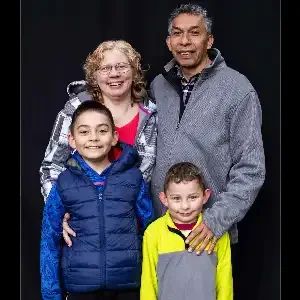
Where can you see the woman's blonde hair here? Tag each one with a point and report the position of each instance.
(93, 62)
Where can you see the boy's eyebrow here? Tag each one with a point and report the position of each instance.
(98, 125)
(102, 124)
(174, 194)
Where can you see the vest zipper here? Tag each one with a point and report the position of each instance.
(100, 206)
(101, 202)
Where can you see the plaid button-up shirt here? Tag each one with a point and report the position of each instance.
(186, 85)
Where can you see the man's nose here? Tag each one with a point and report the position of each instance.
(185, 40)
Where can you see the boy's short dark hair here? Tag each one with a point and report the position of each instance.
(93, 106)
(182, 172)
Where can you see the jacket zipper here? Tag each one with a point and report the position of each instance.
(102, 224)
(178, 89)
(142, 127)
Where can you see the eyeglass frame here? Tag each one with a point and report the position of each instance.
(116, 66)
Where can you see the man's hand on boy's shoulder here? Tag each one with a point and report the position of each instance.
(201, 234)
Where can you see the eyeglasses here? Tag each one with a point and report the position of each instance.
(120, 67)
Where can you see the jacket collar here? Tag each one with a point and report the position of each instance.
(127, 160)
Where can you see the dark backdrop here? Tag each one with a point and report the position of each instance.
(56, 38)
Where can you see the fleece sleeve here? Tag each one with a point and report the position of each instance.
(50, 246)
(144, 206)
(149, 284)
(224, 288)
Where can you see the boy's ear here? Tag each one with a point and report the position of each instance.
(206, 195)
(71, 141)
(163, 198)
(115, 138)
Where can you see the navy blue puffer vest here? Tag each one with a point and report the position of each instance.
(106, 252)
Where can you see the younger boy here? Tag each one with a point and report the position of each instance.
(169, 271)
(107, 201)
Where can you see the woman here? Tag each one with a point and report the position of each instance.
(114, 77)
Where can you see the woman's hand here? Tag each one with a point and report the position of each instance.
(67, 230)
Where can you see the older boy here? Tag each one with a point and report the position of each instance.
(107, 199)
(171, 272)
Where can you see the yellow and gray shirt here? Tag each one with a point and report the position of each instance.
(171, 272)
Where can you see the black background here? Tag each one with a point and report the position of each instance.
(56, 38)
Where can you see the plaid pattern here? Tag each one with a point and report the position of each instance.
(58, 149)
(186, 85)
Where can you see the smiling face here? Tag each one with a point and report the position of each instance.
(184, 200)
(189, 41)
(93, 136)
(117, 82)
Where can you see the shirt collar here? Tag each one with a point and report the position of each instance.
(180, 75)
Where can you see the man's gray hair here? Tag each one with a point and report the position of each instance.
(191, 9)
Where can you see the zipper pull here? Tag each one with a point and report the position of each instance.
(100, 197)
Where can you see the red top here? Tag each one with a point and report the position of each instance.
(128, 132)
(185, 226)
(127, 135)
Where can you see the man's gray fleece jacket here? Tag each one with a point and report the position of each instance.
(220, 132)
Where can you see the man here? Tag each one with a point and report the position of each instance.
(209, 115)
